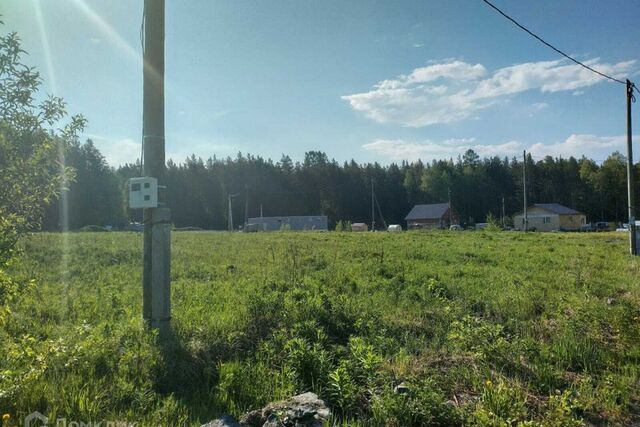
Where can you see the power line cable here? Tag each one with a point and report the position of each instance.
(551, 46)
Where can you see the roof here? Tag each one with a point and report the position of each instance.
(433, 211)
(555, 208)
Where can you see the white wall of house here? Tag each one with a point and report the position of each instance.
(543, 220)
(572, 222)
(540, 219)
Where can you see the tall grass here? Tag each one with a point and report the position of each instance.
(479, 328)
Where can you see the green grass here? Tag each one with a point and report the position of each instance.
(492, 329)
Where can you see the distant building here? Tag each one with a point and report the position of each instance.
(433, 216)
(299, 223)
(359, 226)
(550, 217)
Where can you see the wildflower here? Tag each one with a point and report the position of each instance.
(6, 417)
(488, 383)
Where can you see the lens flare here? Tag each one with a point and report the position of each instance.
(109, 31)
(44, 40)
(64, 200)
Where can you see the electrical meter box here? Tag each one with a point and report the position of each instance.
(143, 192)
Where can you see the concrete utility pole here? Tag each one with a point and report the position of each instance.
(450, 212)
(524, 187)
(502, 211)
(373, 212)
(230, 222)
(156, 284)
(246, 205)
(630, 174)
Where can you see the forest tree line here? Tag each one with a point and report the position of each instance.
(198, 189)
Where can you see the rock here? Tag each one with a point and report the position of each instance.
(303, 410)
(226, 421)
(401, 389)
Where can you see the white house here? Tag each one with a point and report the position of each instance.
(550, 217)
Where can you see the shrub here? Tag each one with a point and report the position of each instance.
(493, 223)
(249, 385)
(343, 390)
(500, 405)
(422, 405)
(309, 363)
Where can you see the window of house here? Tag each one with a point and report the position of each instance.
(546, 220)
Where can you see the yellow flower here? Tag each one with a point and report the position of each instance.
(488, 383)
(6, 417)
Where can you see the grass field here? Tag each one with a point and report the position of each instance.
(483, 328)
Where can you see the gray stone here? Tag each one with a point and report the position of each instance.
(303, 410)
(401, 388)
(226, 421)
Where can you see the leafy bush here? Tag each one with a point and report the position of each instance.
(500, 404)
(309, 363)
(244, 387)
(423, 404)
(343, 225)
(343, 390)
(493, 223)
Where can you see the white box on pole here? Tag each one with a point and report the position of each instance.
(143, 192)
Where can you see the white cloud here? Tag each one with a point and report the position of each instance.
(456, 70)
(398, 150)
(454, 90)
(507, 149)
(539, 106)
(536, 107)
(576, 145)
(597, 147)
(117, 151)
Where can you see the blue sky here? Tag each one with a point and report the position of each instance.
(370, 80)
